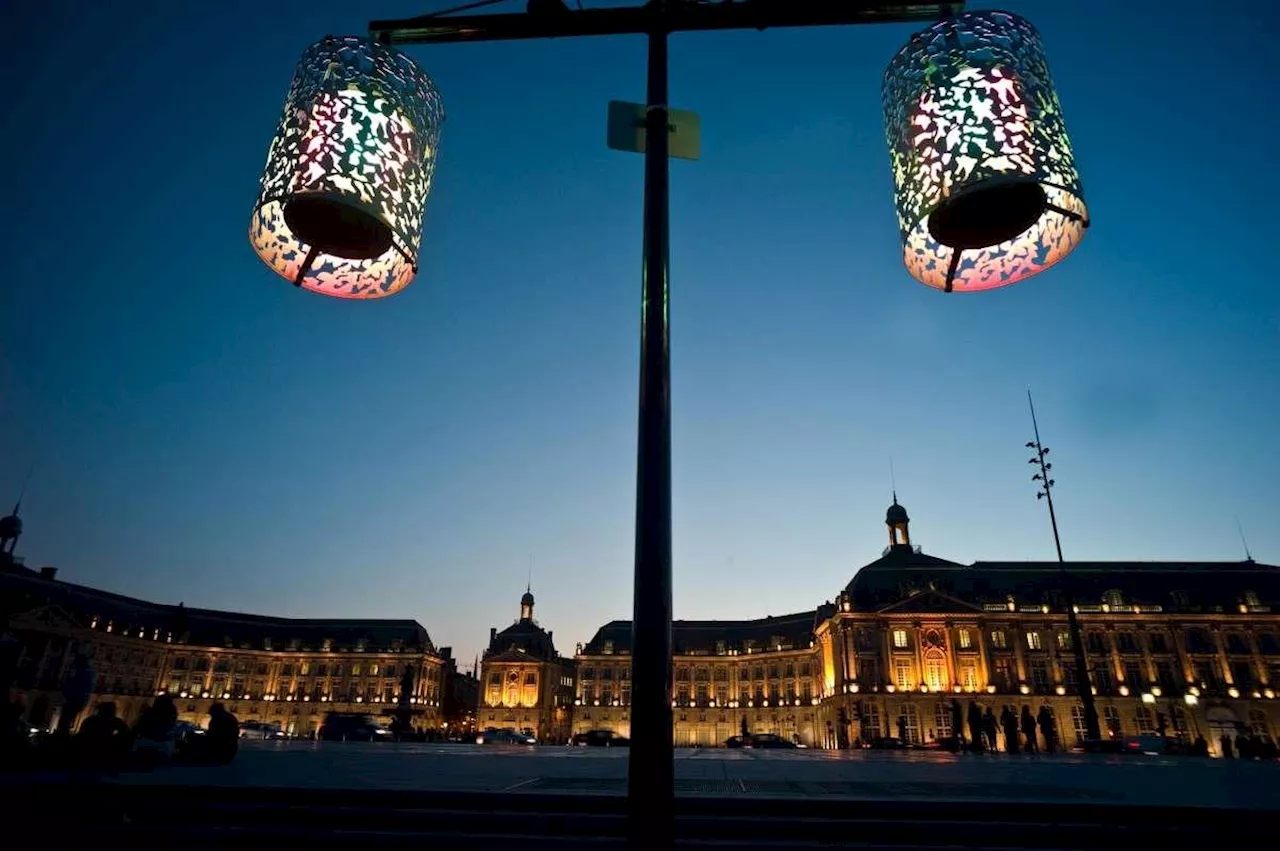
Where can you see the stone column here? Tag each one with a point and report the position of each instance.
(1019, 650)
(1221, 653)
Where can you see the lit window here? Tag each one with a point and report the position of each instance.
(998, 639)
(965, 639)
(1064, 639)
(935, 673)
(1113, 598)
(900, 638)
(902, 675)
(1033, 640)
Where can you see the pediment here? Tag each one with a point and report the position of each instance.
(931, 602)
(45, 618)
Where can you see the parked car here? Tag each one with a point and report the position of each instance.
(1099, 746)
(353, 727)
(770, 740)
(1146, 745)
(261, 730)
(887, 743)
(509, 736)
(601, 739)
(734, 742)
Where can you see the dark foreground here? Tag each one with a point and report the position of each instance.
(306, 796)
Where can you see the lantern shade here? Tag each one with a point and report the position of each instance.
(985, 182)
(348, 172)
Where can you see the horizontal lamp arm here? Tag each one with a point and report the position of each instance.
(654, 17)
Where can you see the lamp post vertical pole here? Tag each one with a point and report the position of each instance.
(650, 770)
(1083, 682)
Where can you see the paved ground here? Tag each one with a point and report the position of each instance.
(862, 775)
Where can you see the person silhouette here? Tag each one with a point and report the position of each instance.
(991, 727)
(104, 738)
(975, 726)
(223, 735)
(1009, 722)
(957, 721)
(1045, 720)
(154, 732)
(1028, 723)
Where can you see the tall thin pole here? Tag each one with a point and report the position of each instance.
(650, 770)
(1083, 682)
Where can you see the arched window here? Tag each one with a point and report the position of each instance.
(1111, 717)
(869, 722)
(935, 670)
(1258, 723)
(1078, 722)
(942, 720)
(1145, 721)
(1113, 598)
(912, 717)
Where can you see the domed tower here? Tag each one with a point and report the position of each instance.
(526, 605)
(897, 521)
(10, 530)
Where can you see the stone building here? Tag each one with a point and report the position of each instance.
(763, 674)
(1194, 646)
(283, 670)
(525, 683)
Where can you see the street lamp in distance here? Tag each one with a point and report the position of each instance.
(1083, 682)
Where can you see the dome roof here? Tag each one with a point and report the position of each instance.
(527, 599)
(11, 526)
(895, 514)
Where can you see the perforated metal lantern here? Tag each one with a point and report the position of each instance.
(349, 170)
(985, 183)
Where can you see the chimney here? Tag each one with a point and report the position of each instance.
(48, 572)
(493, 635)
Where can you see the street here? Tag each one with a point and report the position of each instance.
(860, 775)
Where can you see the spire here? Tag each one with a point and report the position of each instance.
(11, 526)
(526, 604)
(898, 522)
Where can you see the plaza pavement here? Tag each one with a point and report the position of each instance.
(857, 775)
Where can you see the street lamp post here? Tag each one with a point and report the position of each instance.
(347, 177)
(1083, 683)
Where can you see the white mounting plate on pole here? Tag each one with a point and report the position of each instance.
(627, 133)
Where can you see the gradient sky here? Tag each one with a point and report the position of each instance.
(203, 432)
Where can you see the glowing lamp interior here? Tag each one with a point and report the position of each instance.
(985, 183)
(348, 173)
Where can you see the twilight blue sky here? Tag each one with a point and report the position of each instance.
(203, 432)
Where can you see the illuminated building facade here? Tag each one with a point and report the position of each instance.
(282, 670)
(525, 684)
(1193, 645)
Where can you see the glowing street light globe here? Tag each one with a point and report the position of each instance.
(348, 172)
(985, 183)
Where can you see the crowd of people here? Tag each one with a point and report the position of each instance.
(105, 741)
(1022, 731)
